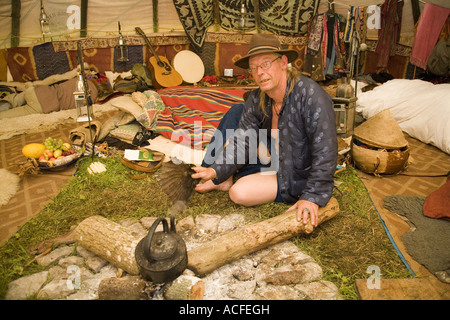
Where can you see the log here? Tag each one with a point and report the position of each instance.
(247, 239)
(110, 241)
(126, 288)
(185, 287)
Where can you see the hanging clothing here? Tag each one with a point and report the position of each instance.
(416, 10)
(428, 29)
(313, 63)
(391, 21)
(315, 34)
(349, 27)
(330, 42)
(324, 50)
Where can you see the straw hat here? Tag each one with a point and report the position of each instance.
(381, 131)
(265, 43)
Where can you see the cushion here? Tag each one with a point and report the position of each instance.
(126, 132)
(437, 203)
(146, 115)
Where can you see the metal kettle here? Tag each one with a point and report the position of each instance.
(161, 256)
(345, 89)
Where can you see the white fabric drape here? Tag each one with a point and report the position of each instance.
(102, 19)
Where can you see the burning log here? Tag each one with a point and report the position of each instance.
(185, 287)
(127, 288)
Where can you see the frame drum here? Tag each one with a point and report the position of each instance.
(189, 65)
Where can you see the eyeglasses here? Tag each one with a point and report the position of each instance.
(264, 66)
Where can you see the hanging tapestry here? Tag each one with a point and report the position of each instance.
(195, 16)
(277, 16)
(287, 17)
(349, 27)
(37, 62)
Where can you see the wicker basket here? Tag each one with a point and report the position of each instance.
(380, 161)
(379, 146)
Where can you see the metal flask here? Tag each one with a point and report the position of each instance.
(161, 256)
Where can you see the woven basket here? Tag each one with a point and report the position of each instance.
(381, 131)
(380, 161)
(379, 146)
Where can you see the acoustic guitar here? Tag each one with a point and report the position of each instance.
(163, 75)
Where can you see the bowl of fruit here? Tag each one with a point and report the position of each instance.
(53, 153)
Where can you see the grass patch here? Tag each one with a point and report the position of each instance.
(353, 240)
(344, 246)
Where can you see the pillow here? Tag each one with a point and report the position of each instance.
(152, 107)
(147, 116)
(437, 203)
(126, 103)
(113, 122)
(126, 132)
(192, 114)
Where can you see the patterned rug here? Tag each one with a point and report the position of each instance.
(424, 158)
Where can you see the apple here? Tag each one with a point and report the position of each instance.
(57, 153)
(48, 154)
(42, 158)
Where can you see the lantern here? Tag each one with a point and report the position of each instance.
(243, 18)
(43, 20)
(123, 49)
(84, 109)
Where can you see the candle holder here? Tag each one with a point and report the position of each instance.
(122, 47)
(84, 109)
(44, 22)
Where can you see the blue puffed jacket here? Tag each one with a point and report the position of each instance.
(307, 150)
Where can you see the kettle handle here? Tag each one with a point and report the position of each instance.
(149, 236)
(172, 224)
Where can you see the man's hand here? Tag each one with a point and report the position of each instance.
(305, 208)
(203, 173)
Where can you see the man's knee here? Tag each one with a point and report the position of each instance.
(238, 195)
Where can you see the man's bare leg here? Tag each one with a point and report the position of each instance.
(255, 189)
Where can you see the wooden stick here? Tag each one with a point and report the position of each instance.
(38, 256)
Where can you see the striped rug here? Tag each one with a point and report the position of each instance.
(193, 114)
